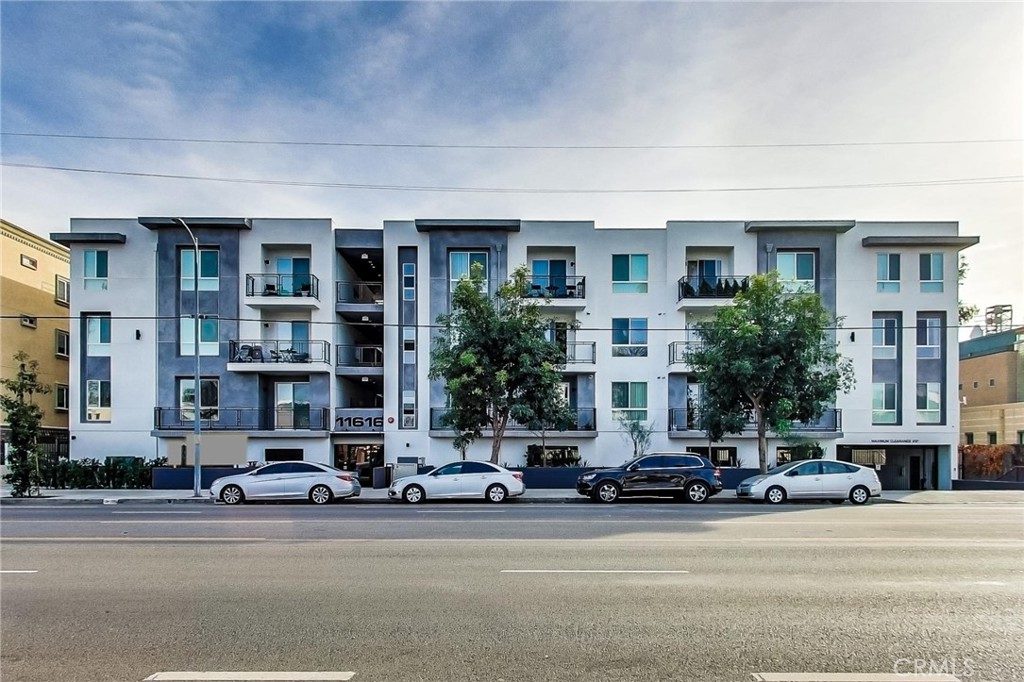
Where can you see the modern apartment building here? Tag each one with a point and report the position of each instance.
(34, 297)
(315, 342)
(992, 388)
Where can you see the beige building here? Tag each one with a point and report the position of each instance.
(992, 388)
(34, 301)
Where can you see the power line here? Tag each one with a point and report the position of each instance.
(421, 145)
(523, 190)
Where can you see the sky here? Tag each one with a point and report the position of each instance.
(718, 96)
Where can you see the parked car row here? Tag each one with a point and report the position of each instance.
(685, 476)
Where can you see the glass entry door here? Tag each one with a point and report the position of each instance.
(292, 406)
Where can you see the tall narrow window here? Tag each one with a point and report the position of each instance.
(209, 399)
(408, 409)
(796, 271)
(466, 263)
(209, 269)
(62, 397)
(97, 400)
(629, 400)
(95, 275)
(62, 342)
(408, 281)
(629, 273)
(409, 346)
(884, 337)
(209, 336)
(929, 337)
(97, 335)
(931, 272)
(62, 290)
(629, 337)
(889, 273)
(883, 403)
(929, 403)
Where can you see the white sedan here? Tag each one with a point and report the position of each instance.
(319, 483)
(813, 479)
(465, 479)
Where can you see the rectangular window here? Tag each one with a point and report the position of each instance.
(95, 276)
(929, 403)
(929, 337)
(796, 271)
(408, 409)
(62, 343)
(883, 403)
(993, 438)
(409, 346)
(209, 269)
(29, 321)
(62, 290)
(991, 382)
(97, 335)
(889, 272)
(629, 273)
(1020, 438)
(969, 438)
(884, 337)
(97, 394)
(62, 397)
(931, 272)
(629, 400)
(629, 337)
(408, 281)
(209, 336)
(465, 264)
(29, 262)
(209, 399)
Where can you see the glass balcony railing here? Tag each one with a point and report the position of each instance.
(586, 420)
(360, 292)
(282, 418)
(359, 356)
(719, 286)
(265, 350)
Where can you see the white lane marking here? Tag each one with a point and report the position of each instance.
(460, 511)
(19, 571)
(583, 570)
(853, 677)
(156, 512)
(292, 676)
(118, 538)
(995, 583)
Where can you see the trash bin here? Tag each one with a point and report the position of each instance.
(382, 477)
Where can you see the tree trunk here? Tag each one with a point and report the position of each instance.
(762, 441)
(500, 422)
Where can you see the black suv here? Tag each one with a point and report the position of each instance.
(681, 474)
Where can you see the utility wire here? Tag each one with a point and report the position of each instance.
(523, 190)
(418, 145)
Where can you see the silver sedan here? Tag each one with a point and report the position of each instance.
(319, 483)
(465, 479)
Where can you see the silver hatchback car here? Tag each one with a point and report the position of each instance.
(816, 479)
(319, 483)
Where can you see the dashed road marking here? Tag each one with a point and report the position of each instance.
(853, 677)
(573, 570)
(17, 571)
(239, 676)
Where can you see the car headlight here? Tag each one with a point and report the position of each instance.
(588, 477)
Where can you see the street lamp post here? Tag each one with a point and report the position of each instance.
(196, 394)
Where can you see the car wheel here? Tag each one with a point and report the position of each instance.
(320, 494)
(607, 491)
(413, 494)
(837, 501)
(860, 495)
(697, 493)
(496, 493)
(232, 494)
(775, 495)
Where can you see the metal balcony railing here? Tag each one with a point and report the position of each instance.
(360, 292)
(290, 418)
(359, 356)
(266, 350)
(682, 419)
(272, 284)
(586, 420)
(721, 286)
(557, 286)
(677, 349)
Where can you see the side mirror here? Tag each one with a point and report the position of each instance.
(632, 467)
(793, 473)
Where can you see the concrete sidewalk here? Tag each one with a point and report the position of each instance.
(535, 495)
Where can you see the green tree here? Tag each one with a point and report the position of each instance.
(637, 431)
(23, 419)
(769, 359)
(965, 312)
(495, 362)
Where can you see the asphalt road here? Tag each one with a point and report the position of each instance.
(513, 592)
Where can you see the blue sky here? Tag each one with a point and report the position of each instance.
(522, 74)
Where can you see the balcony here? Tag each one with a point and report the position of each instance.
(704, 291)
(282, 292)
(585, 425)
(581, 356)
(358, 360)
(684, 423)
(558, 286)
(677, 350)
(360, 301)
(359, 419)
(293, 418)
(279, 356)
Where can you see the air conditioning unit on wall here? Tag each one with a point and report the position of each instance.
(408, 421)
